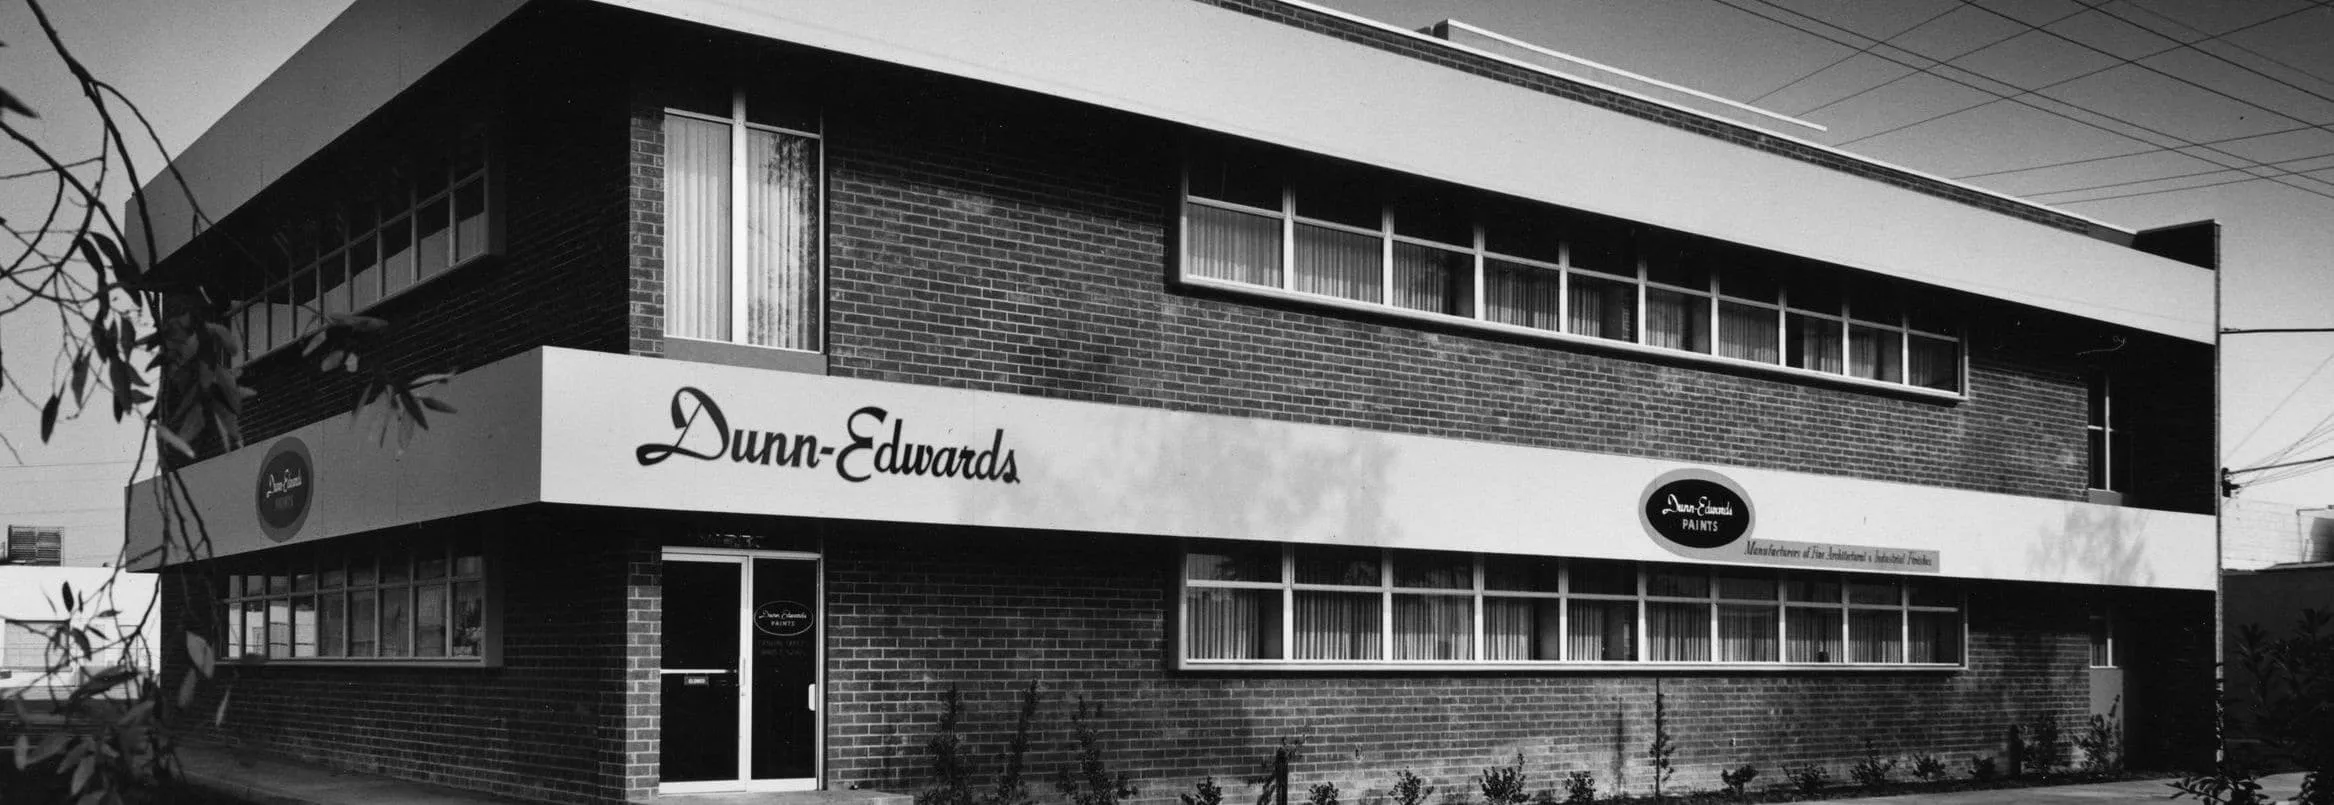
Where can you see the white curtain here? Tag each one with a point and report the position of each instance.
(1434, 627)
(1747, 633)
(1815, 635)
(1521, 629)
(1334, 262)
(1236, 246)
(697, 302)
(1520, 295)
(1602, 308)
(1232, 624)
(1747, 332)
(1433, 280)
(1601, 631)
(1677, 321)
(1677, 632)
(1875, 635)
(1337, 626)
(782, 240)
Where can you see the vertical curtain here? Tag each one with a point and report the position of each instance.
(1677, 320)
(1520, 295)
(1747, 633)
(1232, 624)
(1334, 262)
(1231, 245)
(1521, 629)
(1677, 632)
(1601, 631)
(1814, 635)
(1874, 353)
(697, 228)
(1434, 627)
(1936, 637)
(1336, 626)
(1602, 308)
(1433, 280)
(1747, 332)
(1935, 363)
(1875, 635)
(1815, 343)
(782, 240)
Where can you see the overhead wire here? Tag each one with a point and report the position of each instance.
(1853, 54)
(2020, 101)
(2192, 46)
(1916, 70)
(2281, 403)
(2138, 153)
(2277, 164)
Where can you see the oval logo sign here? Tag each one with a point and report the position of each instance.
(782, 618)
(1696, 509)
(287, 484)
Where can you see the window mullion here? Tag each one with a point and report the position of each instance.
(737, 215)
(1288, 602)
(1386, 255)
(1641, 651)
(1288, 238)
(1479, 653)
(1479, 314)
(1385, 605)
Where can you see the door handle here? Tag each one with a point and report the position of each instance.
(812, 699)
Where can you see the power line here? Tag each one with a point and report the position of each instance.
(2297, 390)
(2292, 172)
(2141, 152)
(2193, 187)
(2192, 46)
(1858, 52)
(2230, 42)
(2019, 101)
(1928, 71)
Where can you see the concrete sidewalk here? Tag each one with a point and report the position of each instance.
(271, 780)
(2279, 787)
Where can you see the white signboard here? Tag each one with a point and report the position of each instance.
(615, 430)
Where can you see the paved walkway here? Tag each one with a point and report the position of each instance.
(271, 780)
(2281, 787)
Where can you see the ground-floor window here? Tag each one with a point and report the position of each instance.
(361, 599)
(1263, 603)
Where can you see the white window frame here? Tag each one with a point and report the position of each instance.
(290, 562)
(738, 232)
(1641, 641)
(1478, 316)
(2102, 620)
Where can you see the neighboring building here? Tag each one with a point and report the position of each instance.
(32, 607)
(2257, 534)
(34, 545)
(812, 359)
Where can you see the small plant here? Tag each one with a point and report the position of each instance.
(1323, 794)
(2044, 754)
(1504, 785)
(2101, 741)
(1580, 787)
(1737, 780)
(1408, 789)
(1928, 768)
(1872, 771)
(1807, 780)
(1983, 769)
(1011, 788)
(2225, 786)
(1092, 783)
(1662, 747)
(1272, 781)
(951, 776)
(1204, 792)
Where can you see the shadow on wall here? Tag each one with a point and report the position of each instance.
(2095, 541)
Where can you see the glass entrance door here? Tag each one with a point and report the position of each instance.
(740, 671)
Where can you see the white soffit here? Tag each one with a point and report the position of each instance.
(364, 58)
(1189, 63)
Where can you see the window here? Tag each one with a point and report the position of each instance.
(1256, 220)
(2105, 441)
(412, 223)
(1260, 604)
(2103, 653)
(24, 646)
(362, 600)
(743, 260)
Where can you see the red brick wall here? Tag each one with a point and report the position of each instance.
(556, 722)
(915, 610)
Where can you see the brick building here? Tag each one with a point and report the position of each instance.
(1424, 405)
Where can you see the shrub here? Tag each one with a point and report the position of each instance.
(1323, 794)
(1504, 785)
(1872, 771)
(1662, 747)
(1011, 789)
(1092, 783)
(1580, 787)
(1737, 779)
(2044, 753)
(1807, 780)
(1928, 768)
(1204, 792)
(951, 776)
(2101, 741)
(1982, 768)
(1272, 781)
(1408, 789)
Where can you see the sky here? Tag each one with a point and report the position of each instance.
(2106, 86)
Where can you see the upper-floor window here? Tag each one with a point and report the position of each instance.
(1266, 604)
(412, 222)
(2105, 441)
(742, 229)
(1256, 220)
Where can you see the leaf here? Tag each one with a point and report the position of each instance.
(219, 716)
(50, 747)
(173, 441)
(23, 750)
(436, 404)
(9, 103)
(186, 690)
(71, 603)
(126, 271)
(139, 711)
(80, 378)
(198, 649)
(81, 772)
(49, 416)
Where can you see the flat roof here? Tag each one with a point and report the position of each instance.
(1236, 73)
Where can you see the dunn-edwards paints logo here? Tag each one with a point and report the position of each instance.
(704, 433)
(1696, 509)
(287, 484)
